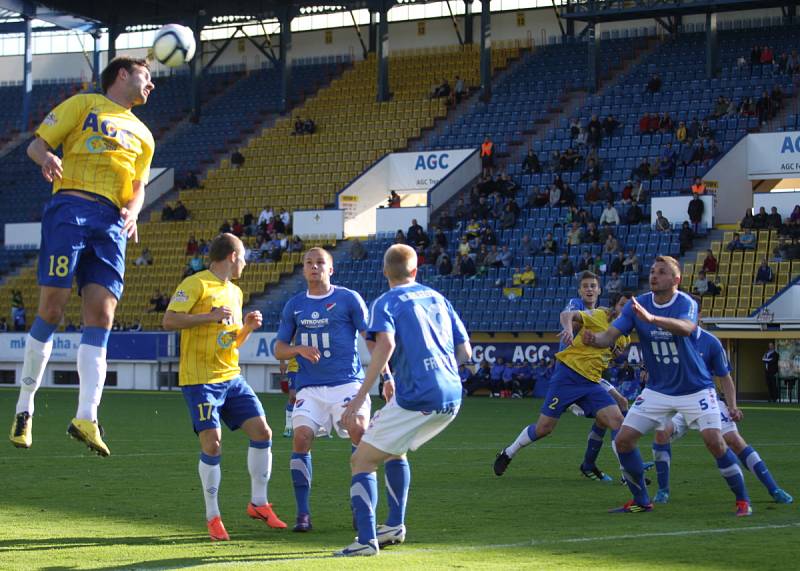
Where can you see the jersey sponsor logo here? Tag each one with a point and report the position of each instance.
(226, 338)
(314, 323)
(51, 119)
(298, 403)
(638, 402)
(107, 128)
(298, 312)
(97, 144)
(180, 295)
(315, 315)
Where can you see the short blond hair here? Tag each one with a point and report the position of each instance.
(399, 262)
(674, 264)
(325, 253)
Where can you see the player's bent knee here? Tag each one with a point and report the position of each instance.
(662, 437)
(735, 441)
(302, 438)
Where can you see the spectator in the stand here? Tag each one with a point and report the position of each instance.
(531, 163)
(760, 219)
(265, 216)
(526, 248)
(720, 107)
(586, 262)
(610, 125)
(159, 301)
(686, 238)
(439, 238)
(764, 275)
(764, 108)
(644, 124)
(642, 171)
(748, 221)
(748, 240)
(681, 133)
(614, 284)
(225, 227)
(781, 252)
(574, 235)
(528, 277)
(180, 213)
(610, 215)
(145, 258)
(595, 129)
(444, 265)
(295, 244)
(237, 159)
(506, 256)
(416, 235)
(712, 152)
(459, 90)
(704, 286)
(592, 195)
(565, 267)
(734, 244)
(467, 266)
(567, 196)
(631, 262)
(249, 223)
(357, 250)
(309, 126)
(654, 84)
(487, 156)
(634, 214)
(592, 171)
(755, 56)
(662, 224)
(192, 247)
(298, 126)
(774, 220)
(710, 263)
(698, 187)
(590, 235)
(394, 200)
(611, 245)
(237, 229)
(400, 238)
(554, 196)
(695, 211)
(665, 123)
(203, 248)
(617, 263)
(167, 213)
(508, 220)
(441, 90)
(549, 245)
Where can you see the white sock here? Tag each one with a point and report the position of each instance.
(288, 420)
(259, 464)
(92, 372)
(210, 476)
(522, 440)
(36, 356)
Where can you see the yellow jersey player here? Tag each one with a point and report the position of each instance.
(576, 380)
(290, 369)
(98, 192)
(207, 310)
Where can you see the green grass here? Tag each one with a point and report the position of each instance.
(142, 507)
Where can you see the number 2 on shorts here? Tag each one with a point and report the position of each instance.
(554, 404)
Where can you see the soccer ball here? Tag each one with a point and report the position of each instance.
(174, 45)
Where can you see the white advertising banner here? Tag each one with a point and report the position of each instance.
(65, 347)
(421, 171)
(773, 155)
(24, 234)
(307, 223)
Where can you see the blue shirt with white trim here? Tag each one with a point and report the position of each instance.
(673, 361)
(426, 330)
(713, 353)
(330, 323)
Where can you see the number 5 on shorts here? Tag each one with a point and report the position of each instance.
(205, 411)
(703, 404)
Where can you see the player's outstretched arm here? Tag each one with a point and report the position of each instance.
(605, 339)
(729, 390)
(174, 320)
(130, 212)
(680, 327)
(252, 321)
(41, 153)
(464, 353)
(569, 321)
(285, 351)
(381, 353)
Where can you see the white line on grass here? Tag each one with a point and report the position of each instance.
(401, 551)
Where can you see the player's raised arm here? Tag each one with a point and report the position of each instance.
(678, 326)
(569, 321)
(252, 321)
(605, 339)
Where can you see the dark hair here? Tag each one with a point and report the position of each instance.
(109, 74)
(222, 246)
(614, 299)
(587, 275)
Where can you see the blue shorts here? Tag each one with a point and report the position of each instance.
(233, 401)
(82, 240)
(569, 387)
(292, 377)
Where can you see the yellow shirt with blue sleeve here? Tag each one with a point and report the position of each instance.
(105, 146)
(209, 353)
(587, 361)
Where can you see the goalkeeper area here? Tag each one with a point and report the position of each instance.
(142, 507)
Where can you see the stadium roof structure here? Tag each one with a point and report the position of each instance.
(617, 10)
(102, 13)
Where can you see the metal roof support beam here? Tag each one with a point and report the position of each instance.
(267, 53)
(486, 51)
(196, 71)
(383, 52)
(790, 13)
(284, 66)
(455, 23)
(469, 23)
(373, 31)
(712, 46)
(96, 61)
(219, 51)
(27, 76)
(568, 8)
(364, 48)
(113, 34)
(591, 52)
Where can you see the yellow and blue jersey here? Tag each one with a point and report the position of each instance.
(587, 361)
(209, 353)
(106, 147)
(292, 366)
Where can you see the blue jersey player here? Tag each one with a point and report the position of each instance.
(716, 360)
(320, 327)
(665, 320)
(419, 330)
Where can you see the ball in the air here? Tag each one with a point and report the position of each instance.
(174, 45)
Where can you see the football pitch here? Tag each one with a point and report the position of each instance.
(142, 507)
